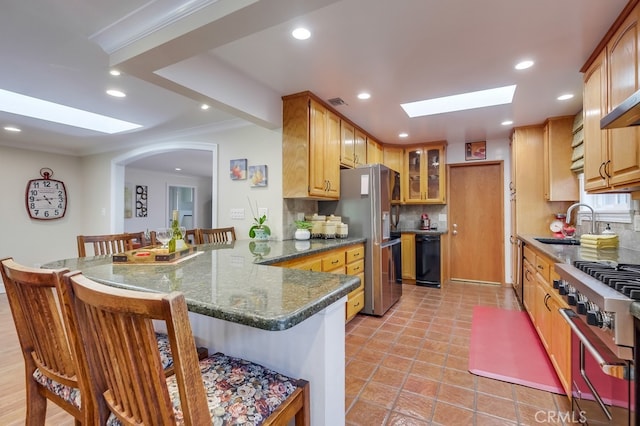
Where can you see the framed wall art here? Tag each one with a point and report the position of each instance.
(258, 175)
(238, 169)
(141, 200)
(128, 200)
(475, 151)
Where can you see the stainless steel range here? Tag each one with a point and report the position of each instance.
(600, 294)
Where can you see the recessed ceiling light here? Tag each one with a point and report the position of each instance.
(204, 106)
(403, 135)
(12, 129)
(114, 72)
(364, 95)
(301, 33)
(178, 169)
(116, 93)
(565, 97)
(507, 123)
(464, 101)
(15, 103)
(524, 65)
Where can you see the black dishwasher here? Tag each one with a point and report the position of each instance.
(428, 260)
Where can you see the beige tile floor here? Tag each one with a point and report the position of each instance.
(410, 366)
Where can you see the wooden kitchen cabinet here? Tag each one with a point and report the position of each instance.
(311, 148)
(347, 260)
(408, 249)
(393, 157)
(353, 145)
(560, 183)
(424, 180)
(375, 153)
(612, 157)
(543, 302)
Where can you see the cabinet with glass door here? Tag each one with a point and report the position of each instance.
(424, 178)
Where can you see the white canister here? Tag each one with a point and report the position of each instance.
(342, 230)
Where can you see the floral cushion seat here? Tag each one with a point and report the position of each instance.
(67, 393)
(72, 395)
(238, 391)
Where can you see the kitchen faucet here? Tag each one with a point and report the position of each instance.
(593, 215)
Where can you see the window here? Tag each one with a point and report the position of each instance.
(608, 207)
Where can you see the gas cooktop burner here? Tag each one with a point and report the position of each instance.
(624, 278)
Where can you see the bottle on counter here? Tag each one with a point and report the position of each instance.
(177, 237)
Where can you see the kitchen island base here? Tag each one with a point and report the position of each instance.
(313, 350)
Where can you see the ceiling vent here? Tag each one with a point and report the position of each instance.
(336, 101)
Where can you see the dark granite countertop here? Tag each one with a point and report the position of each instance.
(569, 253)
(233, 282)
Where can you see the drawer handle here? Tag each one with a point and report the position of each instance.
(356, 269)
(335, 261)
(355, 254)
(356, 304)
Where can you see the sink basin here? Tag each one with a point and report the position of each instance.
(565, 241)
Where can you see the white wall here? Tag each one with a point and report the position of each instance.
(157, 187)
(89, 181)
(33, 242)
(258, 146)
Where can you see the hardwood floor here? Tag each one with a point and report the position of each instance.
(12, 394)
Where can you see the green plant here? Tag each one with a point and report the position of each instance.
(303, 224)
(258, 222)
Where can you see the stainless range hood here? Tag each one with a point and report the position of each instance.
(626, 114)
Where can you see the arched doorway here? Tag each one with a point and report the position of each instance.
(119, 163)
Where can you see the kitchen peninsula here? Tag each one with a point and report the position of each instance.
(287, 319)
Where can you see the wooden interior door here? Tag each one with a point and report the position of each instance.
(476, 215)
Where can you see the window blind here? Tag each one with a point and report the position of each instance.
(577, 158)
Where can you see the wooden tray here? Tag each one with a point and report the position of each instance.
(147, 255)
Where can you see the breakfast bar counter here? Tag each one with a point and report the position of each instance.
(290, 320)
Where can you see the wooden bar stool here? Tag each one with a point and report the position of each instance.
(130, 387)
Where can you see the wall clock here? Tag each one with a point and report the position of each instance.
(46, 198)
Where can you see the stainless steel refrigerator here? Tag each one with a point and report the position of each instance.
(365, 205)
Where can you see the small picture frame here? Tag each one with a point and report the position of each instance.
(238, 169)
(258, 176)
(141, 200)
(475, 151)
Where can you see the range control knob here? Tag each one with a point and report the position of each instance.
(594, 318)
(582, 307)
(572, 299)
(563, 289)
(556, 284)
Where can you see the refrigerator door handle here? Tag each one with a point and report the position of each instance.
(390, 243)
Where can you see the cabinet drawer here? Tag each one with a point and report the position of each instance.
(311, 265)
(542, 267)
(355, 305)
(333, 261)
(355, 268)
(360, 287)
(355, 254)
(528, 254)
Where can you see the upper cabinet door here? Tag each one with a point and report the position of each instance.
(423, 182)
(347, 143)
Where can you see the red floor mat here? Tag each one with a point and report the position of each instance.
(505, 346)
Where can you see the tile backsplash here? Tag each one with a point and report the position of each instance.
(410, 216)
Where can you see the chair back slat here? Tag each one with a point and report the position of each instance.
(116, 326)
(105, 244)
(217, 235)
(192, 236)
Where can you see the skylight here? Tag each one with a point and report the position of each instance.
(464, 101)
(15, 103)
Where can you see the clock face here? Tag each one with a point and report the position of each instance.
(556, 226)
(46, 199)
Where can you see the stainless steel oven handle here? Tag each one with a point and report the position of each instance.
(608, 361)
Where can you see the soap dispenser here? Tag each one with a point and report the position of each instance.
(607, 230)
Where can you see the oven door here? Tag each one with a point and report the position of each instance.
(601, 382)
